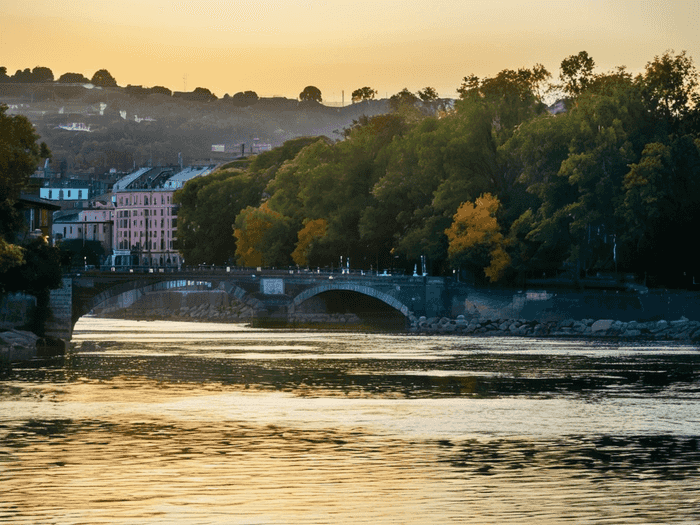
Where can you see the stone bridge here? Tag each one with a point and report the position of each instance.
(274, 294)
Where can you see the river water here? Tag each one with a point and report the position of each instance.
(166, 422)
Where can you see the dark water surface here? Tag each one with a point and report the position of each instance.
(163, 422)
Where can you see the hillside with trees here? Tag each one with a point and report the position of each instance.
(136, 125)
(497, 188)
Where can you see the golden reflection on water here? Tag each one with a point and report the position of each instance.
(270, 442)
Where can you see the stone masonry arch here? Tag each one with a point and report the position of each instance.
(364, 290)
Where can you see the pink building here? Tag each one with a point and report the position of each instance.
(145, 217)
(91, 224)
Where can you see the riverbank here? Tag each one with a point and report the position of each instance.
(678, 330)
(218, 306)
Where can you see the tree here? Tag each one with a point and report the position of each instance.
(661, 195)
(205, 237)
(310, 93)
(476, 240)
(428, 94)
(512, 97)
(308, 235)
(161, 90)
(34, 268)
(73, 78)
(670, 87)
(364, 93)
(244, 98)
(402, 99)
(202, 94)
(22, 76)
(19, 155)
(42, 74)
(102, 77)
(577, 73)
(262, 237)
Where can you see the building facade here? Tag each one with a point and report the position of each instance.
(145, 216)
(92, 224)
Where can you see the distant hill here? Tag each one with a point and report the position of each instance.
(128, 128)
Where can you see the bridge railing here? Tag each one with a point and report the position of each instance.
(318, 273)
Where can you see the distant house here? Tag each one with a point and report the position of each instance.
(94, 223)
(38, 215)
(72, 190)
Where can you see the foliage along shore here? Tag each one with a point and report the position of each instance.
(497, 187)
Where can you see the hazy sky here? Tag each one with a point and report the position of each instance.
(277, 47)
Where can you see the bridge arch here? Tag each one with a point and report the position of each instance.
(132, 290)
(358, 288)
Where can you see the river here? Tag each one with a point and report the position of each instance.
(179, 423)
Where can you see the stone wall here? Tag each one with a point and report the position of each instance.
(16, 310)
(681, 329)
(210, 305)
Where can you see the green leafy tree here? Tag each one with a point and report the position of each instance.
(202, 95)
(161, 90)
(244, 98)
(511, 97)
(364, 93)
(402, 100)
(310, 94)
(102, 77)
(19, 155)
(42, 74)
(73, 78)
(670, 89)
(204, 236)
(661, 195)
(577, 73)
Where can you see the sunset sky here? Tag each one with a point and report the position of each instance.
(277, 47)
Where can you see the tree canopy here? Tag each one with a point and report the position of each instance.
(34, 267)
(496, 185)
(310, 93)
(102, 77)
(363, 93)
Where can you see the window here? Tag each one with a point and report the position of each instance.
(69, 194)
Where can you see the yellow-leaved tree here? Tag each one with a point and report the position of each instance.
(475, 238)
(257, 232)
(312, 231)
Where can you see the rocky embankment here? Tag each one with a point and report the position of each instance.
(17, 345)
(681, 329)
(218, 306)
(21, 345)
(232, 313)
